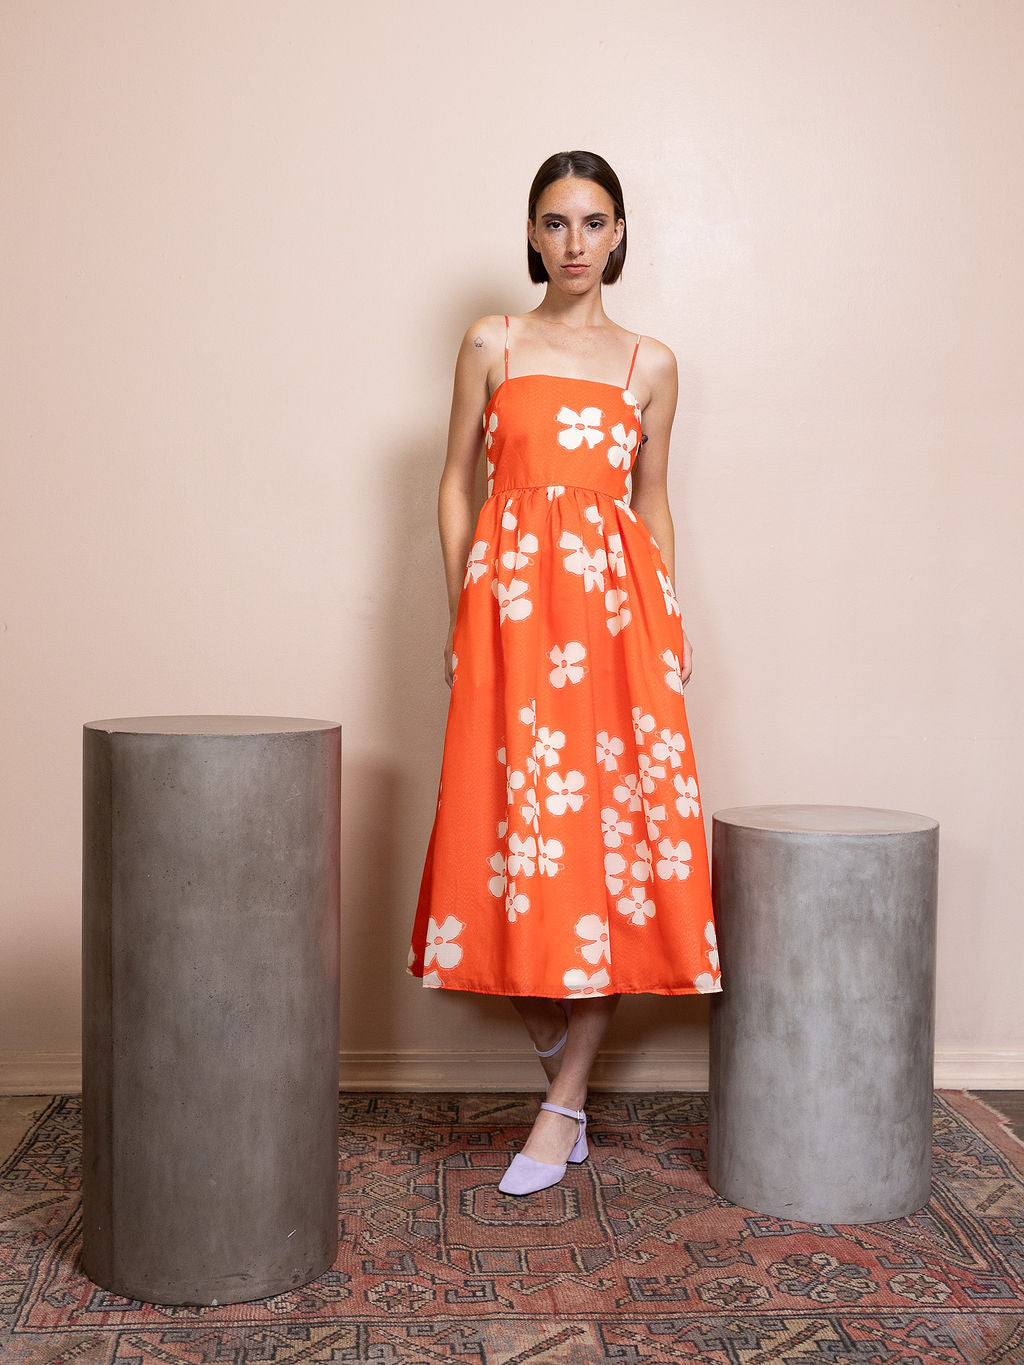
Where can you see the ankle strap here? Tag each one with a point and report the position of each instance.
(576, 1114)
(552, 1050)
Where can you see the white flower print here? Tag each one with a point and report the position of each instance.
(653, 816)
(490, 427)
(513, 605)
(502, 828)
(581, 426)
(521, 853)
(594, 517)
(475, 565)
(628, 790)
(674, 860)
(579, 984)
(614, 866)
(621, 452)
(669, 745)
(613, 828)
(432, 981)
(649, 772)
(490, 477)
(565, 792)
(508, 519)
(516, 903)
(548, 853)
(616, 559)
(555, 490)
(455, 665)
(674, 675)
(642, 724)
(608, 750)
(582, 561)
(441, 945)
(568, 664)
(706, 983)
(668, 592)
(532, 765)
(629, 399)
(530, 809)
(623, 505)
(526, 545)
(641, 869)
(711, 938)
(514, 779)
(593, 931)
(637, 907)
(502, 756)
(548, 744)
(619, 614)
(528, 713)
(499, 881)
(687, 802)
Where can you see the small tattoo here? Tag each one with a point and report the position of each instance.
(478, 342)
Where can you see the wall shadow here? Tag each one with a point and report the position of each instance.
(388, 804)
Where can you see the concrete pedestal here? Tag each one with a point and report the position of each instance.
(822, 1040)
(210, 1086)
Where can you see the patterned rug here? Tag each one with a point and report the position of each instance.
(633, 1259)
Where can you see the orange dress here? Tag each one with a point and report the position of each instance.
(567, 857)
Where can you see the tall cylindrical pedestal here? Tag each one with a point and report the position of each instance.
(822, 1040)
(210, 1085)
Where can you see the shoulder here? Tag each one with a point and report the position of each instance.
(655, 377)
(481, 356)
(485, 336)
(480, 363)
(657, 361)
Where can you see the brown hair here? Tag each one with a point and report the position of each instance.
(585, 166)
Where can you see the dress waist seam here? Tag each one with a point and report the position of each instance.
(532, 487)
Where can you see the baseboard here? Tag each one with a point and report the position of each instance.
(60, 1073)
(979, 1070)
(40, 1073)
(51, 1074)
(484, 1071)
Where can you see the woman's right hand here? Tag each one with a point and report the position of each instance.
(448, 672)
(480, 358)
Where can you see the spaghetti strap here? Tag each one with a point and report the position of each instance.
(506, 347)
(631, 363)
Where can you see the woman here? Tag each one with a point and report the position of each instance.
(567, 862)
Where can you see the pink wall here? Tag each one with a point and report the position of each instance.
(239, 244)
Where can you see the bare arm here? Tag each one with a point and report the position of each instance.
(481, 345)
(650, 474)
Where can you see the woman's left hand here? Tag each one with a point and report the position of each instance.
(449, 675)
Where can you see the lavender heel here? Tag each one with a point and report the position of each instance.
(526, 1176)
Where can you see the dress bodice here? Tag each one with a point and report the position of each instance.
(546, 430)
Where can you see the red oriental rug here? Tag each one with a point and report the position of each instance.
(632, 1259)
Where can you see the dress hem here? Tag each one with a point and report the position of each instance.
(572, 995)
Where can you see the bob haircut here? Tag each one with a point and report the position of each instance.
(585, 166)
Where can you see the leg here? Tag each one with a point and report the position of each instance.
(545, 1023)
(553, 1135)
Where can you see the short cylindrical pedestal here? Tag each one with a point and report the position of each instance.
(822, 1040)
(210, 1012)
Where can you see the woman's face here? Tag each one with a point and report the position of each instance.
(575, 230)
